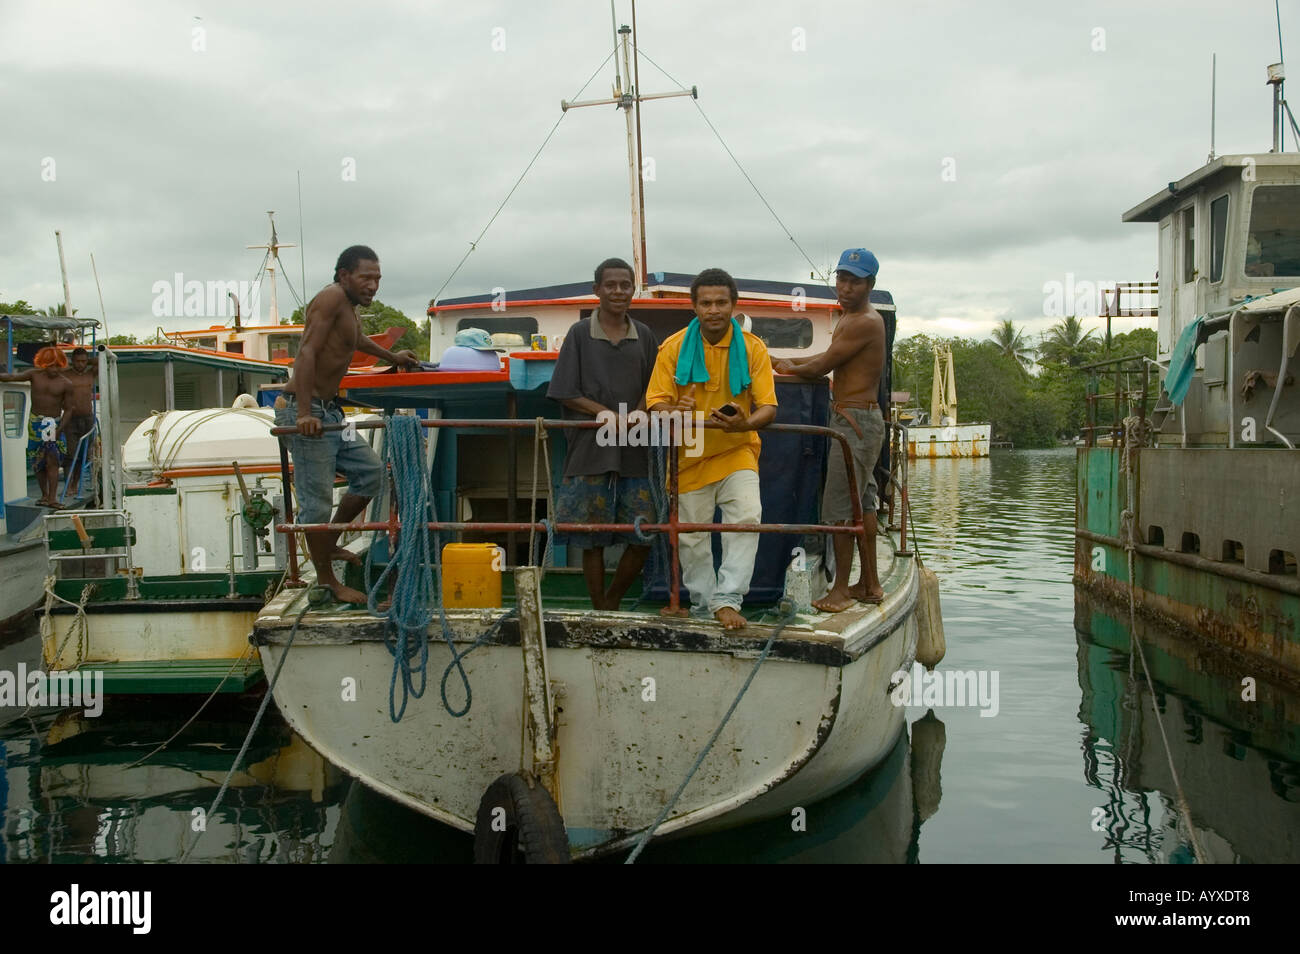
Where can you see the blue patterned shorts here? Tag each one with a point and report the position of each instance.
(607, 498)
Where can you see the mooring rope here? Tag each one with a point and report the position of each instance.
(699, 760)
(307, 604)
(1134, 437)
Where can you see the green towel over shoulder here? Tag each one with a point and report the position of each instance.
(691, 368)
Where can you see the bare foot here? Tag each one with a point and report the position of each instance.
(342, 553)
(729, 618)
(346, 594)
(669, 611)
(833, 602)
(860, 593)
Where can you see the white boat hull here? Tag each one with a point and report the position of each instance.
(817, 715)
(958, 440)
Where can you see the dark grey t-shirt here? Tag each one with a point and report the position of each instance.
(592, 366)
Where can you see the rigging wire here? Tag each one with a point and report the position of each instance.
(817, 271)
(474, 244)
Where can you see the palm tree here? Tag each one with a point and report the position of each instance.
(1066, 342)
(1012, 344)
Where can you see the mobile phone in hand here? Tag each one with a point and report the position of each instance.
(728, 410)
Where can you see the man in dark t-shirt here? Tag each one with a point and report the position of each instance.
(603, 369)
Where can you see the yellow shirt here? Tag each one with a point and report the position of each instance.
(721, 453)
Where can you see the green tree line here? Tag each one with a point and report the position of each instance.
(1033, 395)
(376, 318)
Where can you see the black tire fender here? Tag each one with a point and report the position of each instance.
(518, 823)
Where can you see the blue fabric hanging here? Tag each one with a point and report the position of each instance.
(1182, 362)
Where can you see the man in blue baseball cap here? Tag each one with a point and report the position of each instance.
(855, 360)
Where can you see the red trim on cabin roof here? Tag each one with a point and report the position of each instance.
(416, 378)
(227, 329)
(664, 304)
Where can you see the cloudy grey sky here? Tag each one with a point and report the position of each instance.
(1057, 117)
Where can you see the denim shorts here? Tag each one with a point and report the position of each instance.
(317, 459)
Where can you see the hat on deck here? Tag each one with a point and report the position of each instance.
(858, 261)
(475, 338)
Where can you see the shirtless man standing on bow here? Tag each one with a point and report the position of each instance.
(45, 445)
(78, 414)
(855, 360)
(310, 401)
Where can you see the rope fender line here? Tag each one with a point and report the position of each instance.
(1134, 436)
(699, 759)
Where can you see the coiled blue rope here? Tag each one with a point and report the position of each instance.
(408, 615)
(417, 586)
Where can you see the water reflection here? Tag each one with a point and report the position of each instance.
(74, 789)
(1237, 758)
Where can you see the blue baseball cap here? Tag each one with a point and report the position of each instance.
(858, 261)
(475, 338)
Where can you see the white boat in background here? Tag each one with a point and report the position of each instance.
(941, 435)
(162, 583)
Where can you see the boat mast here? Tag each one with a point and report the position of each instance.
(643, 273)
(627, 96)
(273, 249)
(63, 270)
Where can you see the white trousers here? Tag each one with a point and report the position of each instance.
(737, 496)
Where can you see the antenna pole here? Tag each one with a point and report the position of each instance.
(643, 278)
(302, 246)
(98, 288)
(1214, 75)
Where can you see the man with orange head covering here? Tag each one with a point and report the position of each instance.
(45, 446)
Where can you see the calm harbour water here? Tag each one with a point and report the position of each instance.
(1070, 769)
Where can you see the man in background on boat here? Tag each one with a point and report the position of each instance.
(603, 370)
(855, 361)
(310, 401)
(78, 415)
(45, 444)
(715, 368)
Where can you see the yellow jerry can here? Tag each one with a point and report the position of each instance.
(471, 574)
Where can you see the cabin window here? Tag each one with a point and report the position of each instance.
(1233, 552)
(14, 406)
(283, 346)
(1189, 244)
(1273, 242)
(1191, 543)
(1156, 536)
(1218, 236)
(783, 332)
(236, 347)
(511, 325)
(210, 343)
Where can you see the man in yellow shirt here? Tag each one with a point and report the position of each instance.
(716, 370)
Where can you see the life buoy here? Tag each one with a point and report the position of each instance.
(518, 823)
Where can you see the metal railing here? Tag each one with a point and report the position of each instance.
(1130, 394)
(673, 528)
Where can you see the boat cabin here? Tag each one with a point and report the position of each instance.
(1229, 263)
(792, 319)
